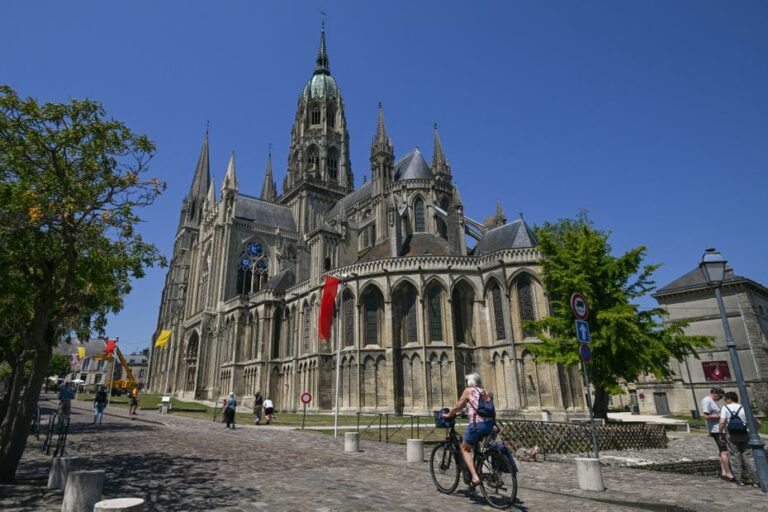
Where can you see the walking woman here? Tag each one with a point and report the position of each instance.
(229, 411)
(99, 404)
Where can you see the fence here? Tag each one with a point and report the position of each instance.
(558, 437)
(386, 428)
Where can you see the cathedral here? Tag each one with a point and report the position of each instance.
(420, 307)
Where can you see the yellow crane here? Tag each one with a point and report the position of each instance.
(128, 383)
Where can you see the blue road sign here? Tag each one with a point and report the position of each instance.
(582, 331)
(585, 352)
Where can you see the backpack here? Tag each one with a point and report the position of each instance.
(499, 453)
(735, 424)
(485, 409)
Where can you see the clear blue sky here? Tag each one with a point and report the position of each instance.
(650, 115)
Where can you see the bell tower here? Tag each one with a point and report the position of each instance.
(319, 170)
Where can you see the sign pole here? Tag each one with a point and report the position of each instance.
(337, 339)
(589, 406)
(303, 416)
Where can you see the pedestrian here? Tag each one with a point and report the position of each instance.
(229, 410)
(66, 395)
(99, 404)
(269, 410)
(711, 412)
(258, 401)
(735, 434)
(134, 398)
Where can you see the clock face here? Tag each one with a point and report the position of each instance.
(254, 249)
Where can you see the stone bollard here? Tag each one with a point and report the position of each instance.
(414, 451)
(352, 441)
(589, 474)
(60, 468)
(83, 490)
(121, 505)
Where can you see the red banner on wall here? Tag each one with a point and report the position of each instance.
(716, 370)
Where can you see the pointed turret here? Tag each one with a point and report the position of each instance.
(440, 166)
(210, 199)
(321, 62)
(382, 156)
(269, 188)
(230, 179)
(456, 196)
(190, 214)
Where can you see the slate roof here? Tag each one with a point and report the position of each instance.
(269, 214)
(282, 280)
(350, 199)
(514, 235)
(412, 167)
(694, 279)
(418, 244)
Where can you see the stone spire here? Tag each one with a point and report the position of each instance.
(440, 166)
(230, 179)
(321, 62)
(210, 200)
(381, 141)
(202, 173)
(269, 188)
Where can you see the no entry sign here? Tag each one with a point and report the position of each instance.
(585, 352)
(306, 397)
(579, 306)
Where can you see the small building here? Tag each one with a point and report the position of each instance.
(691, 298)
(94, 368)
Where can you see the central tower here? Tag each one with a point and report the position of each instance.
(319, 170)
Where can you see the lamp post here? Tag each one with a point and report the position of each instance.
(713, 266)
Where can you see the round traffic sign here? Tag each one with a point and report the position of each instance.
(306, 397)
(579, 306)
(585, 352)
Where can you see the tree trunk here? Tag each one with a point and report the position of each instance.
(16, 423)
(600, 407)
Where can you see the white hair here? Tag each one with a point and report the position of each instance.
(473, 380)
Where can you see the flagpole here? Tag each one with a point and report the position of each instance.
(337, 339)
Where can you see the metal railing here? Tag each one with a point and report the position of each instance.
(386, 426)
(56, 434)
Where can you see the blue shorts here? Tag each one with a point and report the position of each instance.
(476, 431)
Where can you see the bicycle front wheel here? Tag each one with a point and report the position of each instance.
(498, 480)
(444, 466)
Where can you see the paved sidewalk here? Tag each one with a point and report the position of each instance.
(179, 463)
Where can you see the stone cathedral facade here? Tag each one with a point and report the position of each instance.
(420, 308)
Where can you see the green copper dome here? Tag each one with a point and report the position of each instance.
(321, 86)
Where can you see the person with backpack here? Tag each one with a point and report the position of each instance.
(711, 412)
(229, 410)
(258, 401)
(734, 432)
(481, 414)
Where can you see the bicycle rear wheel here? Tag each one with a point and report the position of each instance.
(498, 481)
(444, 466)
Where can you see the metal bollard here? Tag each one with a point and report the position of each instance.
(414, 451)
(351, 441)
(121, 505)
(83, 491)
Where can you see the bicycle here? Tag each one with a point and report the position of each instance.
(498, 475)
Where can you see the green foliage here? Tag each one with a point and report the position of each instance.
(59, 366)
(71, 180)
(626, 342)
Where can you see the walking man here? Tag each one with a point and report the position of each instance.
(711, 412)
(258, 401)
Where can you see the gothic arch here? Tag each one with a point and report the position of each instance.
(419, 214)
(348, 318)
(332, 163)
(252, 266)
(313, 158)
(404, 313)
(434, 300)
(497, 303)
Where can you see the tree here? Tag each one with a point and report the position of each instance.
(626, 341)
(59, 366)
(70, 181)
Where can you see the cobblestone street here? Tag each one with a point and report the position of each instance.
(178, 463)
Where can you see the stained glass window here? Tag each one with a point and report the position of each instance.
(306, 328)
(498, 313)
(435, 313)
(252, 268)
(371, 306)
(527, 310)
(349, 320)
(418, 214)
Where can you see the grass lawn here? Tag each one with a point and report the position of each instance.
(701, 423)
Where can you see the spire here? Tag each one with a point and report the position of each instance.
(202, 174)
(439, 163)
(269, 188)
(381, 142)
(230, 180)
(456, 196)
(321, 62)
(210, 199)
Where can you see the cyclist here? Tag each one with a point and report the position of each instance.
(479, 427)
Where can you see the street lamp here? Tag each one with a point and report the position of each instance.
(713, 266)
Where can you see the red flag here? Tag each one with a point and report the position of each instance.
(326, 307)
(110, 347)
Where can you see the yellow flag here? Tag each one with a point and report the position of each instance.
(81, 352)
(162, 338)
